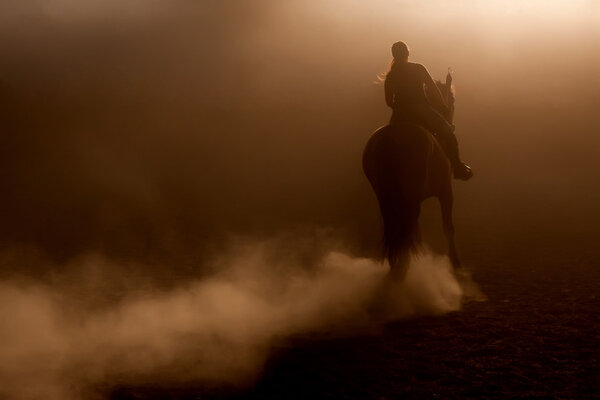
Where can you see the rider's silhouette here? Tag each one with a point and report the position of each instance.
(405, 94)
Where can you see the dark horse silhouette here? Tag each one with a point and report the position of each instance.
(405, 164)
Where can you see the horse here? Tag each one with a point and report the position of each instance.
(406, 165)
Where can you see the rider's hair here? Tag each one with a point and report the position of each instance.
(400, 52)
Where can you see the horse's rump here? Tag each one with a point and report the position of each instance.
(398, 154)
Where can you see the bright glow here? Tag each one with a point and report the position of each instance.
(529, 8)
(532, 7)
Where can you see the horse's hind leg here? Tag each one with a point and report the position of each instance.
(399, 266)
(446, 203)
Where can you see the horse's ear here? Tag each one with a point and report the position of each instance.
(449, 77)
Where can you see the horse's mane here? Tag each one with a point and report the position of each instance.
(448, 98)
(442, 86)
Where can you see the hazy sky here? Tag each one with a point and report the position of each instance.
(133, 124)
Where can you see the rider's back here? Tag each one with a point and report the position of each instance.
(406, 81)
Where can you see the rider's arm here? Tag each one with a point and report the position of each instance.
(432, 88)
(389, 92)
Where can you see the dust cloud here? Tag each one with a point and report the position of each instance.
(61, 343)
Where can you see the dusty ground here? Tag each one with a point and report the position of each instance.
(536, 336)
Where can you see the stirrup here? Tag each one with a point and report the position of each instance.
(463, 172)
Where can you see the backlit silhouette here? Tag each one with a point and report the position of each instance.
(404, 93)
(405, 164)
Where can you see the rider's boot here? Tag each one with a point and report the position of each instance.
(460, 170)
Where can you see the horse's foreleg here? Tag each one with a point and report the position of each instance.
(446, 203)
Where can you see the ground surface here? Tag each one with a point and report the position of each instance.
(537, 336)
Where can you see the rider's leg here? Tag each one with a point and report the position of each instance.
(460, 169)
(435, 122)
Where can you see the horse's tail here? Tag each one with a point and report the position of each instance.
(397, 172)
(400, 226)
(400, 208)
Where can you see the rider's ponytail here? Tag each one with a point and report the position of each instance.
(400, 52)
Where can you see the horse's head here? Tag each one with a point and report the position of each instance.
(448, 94)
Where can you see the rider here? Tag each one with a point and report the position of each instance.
(405, 94)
